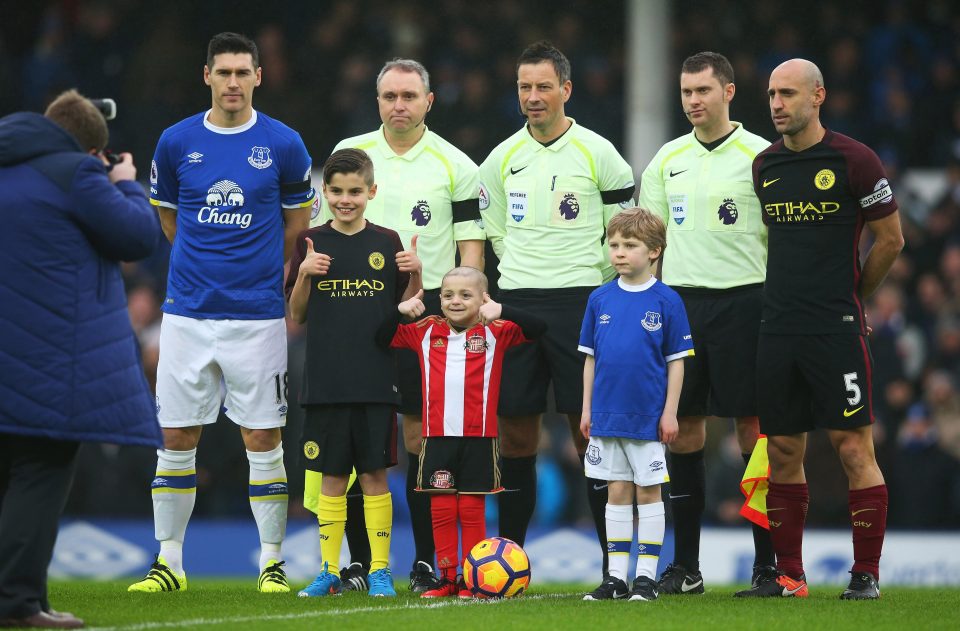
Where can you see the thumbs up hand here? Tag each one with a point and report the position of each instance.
(489, 310)
(314, 263)
(407, 260)
(412, 307)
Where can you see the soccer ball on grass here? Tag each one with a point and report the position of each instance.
(497, 568)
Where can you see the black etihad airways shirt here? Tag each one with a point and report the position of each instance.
(345, 308)
(814, 203)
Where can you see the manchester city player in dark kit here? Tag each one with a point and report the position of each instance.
(817, 190)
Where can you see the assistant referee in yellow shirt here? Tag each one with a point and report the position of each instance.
(701, 184)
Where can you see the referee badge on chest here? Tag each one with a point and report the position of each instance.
(517, 205)
(678, 208)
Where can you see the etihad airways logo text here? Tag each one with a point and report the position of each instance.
(350, 287)
(800, 211)
(229, 194)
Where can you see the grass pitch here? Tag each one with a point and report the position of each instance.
(236, 604)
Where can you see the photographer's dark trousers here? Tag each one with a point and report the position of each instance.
(35, 479)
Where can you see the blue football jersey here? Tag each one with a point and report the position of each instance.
(632, 331)
(229, 187)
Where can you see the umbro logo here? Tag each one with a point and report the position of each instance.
(196, 156)
(676, 173)
(515, 171)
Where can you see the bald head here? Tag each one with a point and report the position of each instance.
(801, 70)
(796, 93)
(470, 274)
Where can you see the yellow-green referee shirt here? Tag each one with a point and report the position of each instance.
(546, 208)
(430, 190)
(715, 233)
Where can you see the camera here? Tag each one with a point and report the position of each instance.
(107, 107)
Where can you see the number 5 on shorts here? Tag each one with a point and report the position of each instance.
(850, 383)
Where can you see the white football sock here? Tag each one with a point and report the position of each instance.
(174, 490)
(268, 500)
(619, 537)
(650, 527)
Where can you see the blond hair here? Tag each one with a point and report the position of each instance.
(468, 272)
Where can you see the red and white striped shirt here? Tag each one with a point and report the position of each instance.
(460, 373)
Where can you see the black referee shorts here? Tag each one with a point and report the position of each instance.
(459, 464)
(528, 369)
(814, 381)
(721, 378)
(408, 364)
(339, 437)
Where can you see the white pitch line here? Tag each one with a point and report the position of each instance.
(313, 614)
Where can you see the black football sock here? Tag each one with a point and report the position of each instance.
(762, 545)
(420, 520)
(356, 529)
(519, 496)
(597, 498)
(687, 482)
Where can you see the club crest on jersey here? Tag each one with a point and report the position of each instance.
(651, 321)
(727, 212)
(421, 213)
(569, 207)
(593, 455)
(376, 260)
(311, 450)
(260, 157)
(824, 179)
(476, 343)
(441, 480)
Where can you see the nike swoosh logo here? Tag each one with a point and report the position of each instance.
(849, 413)
(327, 524)
(862, 510)
(791, 592)
(686, 587)
(675, 174)
(767, 183)
(515, 171)
(599, 487)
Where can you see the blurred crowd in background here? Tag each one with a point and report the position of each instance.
(892, 72)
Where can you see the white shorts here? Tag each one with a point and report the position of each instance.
(644, 462)
(248, 356)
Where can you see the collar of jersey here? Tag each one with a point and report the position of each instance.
(229, 130)
(410, 155)
(561, 141)
(734, 137)
(635, 288)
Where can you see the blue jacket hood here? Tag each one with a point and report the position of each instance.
(28, 135)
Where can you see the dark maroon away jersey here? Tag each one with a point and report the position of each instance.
(815, 203)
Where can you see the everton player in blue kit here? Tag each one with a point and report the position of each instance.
(817, 191)
(232, 187)
(634, 331)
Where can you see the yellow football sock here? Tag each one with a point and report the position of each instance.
(332, 516)
(378, 512)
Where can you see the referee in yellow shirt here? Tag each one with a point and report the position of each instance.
(701, 184)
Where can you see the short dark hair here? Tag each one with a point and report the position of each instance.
(542, 51)
(720, 65)
(349, 161)
(81, 118)
(232, 43)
